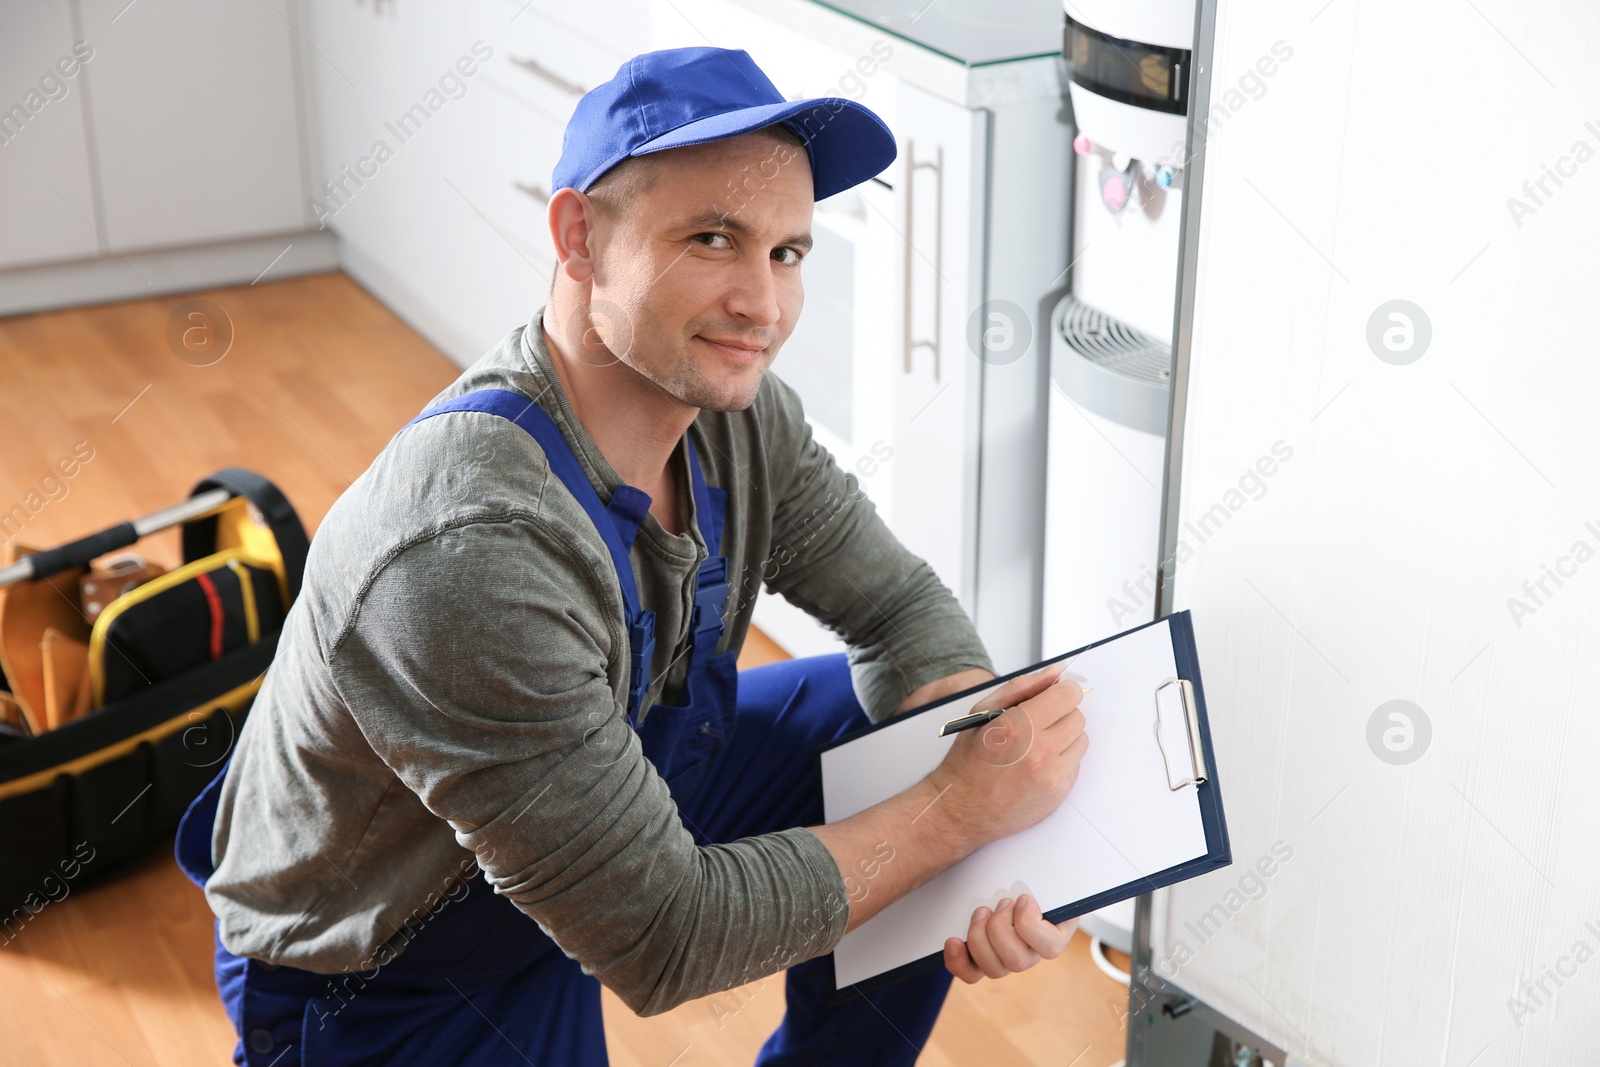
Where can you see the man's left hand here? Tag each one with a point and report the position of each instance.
(1011, 938)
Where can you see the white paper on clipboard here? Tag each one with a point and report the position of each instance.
(1122, 820)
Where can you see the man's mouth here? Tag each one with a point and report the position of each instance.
(739, 351)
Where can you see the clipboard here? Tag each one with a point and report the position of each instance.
(1146, 811)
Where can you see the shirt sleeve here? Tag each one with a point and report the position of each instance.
(834, 557)
(481, 666)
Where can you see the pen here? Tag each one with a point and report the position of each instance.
(979, 718)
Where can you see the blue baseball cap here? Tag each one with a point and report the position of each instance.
(684, 96)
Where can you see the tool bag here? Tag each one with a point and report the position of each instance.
(173, 665)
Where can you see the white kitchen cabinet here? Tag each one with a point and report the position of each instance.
(401, 91)
(172, 157)
(194, 121)
(451, 231)
(45, 184)
(377, 72)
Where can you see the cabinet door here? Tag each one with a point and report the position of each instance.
(194, 120)
(940, 190)
(44, 161)
(391, 84)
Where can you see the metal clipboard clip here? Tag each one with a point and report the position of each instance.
(1197, 770)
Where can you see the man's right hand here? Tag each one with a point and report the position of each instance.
(1007, 775)
(995, 780)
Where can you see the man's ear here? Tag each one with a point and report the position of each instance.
(571, 217)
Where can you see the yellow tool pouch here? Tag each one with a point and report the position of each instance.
(120, 723)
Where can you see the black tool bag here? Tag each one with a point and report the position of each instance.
(175, 664)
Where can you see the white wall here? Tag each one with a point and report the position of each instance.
(1406, 506)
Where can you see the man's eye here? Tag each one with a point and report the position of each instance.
(713, 235)
(795, 252)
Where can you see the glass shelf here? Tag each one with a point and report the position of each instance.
(977, 33)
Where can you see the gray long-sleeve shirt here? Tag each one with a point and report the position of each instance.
(451, 689)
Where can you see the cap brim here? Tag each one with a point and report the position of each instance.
(847, 143)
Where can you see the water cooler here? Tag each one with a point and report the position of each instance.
(1110, 337)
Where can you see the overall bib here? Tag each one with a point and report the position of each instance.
(479, 983)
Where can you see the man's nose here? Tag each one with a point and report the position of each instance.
(754, 296)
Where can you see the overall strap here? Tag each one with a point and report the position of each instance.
(538, 423)
(711, 580)
(618, 525)
(709, 501)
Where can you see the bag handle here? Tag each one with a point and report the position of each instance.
(200, 536)
(85, 549)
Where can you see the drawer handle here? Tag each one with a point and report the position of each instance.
(538, 71)
(535, 191)
(910, 341)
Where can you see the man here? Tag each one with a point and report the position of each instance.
(503, 754)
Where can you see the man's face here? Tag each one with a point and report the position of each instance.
(704, 268)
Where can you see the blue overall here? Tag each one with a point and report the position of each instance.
(480, 983)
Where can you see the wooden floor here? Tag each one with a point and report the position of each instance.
(317, 379)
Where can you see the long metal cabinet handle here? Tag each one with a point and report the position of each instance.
(937, 166)
(533, 67)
